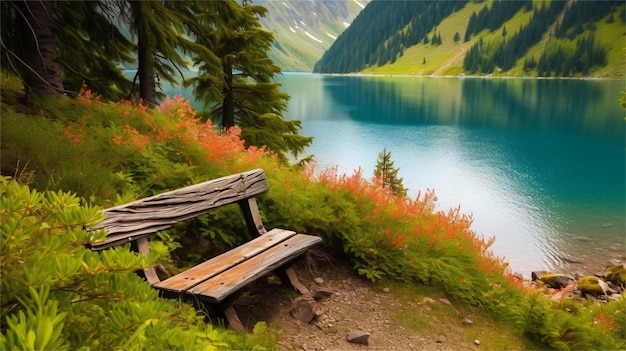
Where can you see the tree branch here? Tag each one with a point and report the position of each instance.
(32, 30)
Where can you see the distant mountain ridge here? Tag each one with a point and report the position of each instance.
(304, 29)
(500, 38)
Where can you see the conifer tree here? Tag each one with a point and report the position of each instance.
(245, 93)
(92, 48)
(53, 57)
(389, 174)
(162, 30)
(457, 37)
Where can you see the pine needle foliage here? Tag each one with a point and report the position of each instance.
(388, 173)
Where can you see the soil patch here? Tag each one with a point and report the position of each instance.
(355, 304)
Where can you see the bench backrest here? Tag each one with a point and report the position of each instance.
(139, 219)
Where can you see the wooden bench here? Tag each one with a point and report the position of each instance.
(218, 280)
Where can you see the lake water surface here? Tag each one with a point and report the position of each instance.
(539, 163)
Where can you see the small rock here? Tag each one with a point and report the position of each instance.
(468, 321)
(445, 301)
(476, 342)
(319, 281)
(617, 274)
(386, 290)
(322, 294)
(536, 274)
(440, 340)
(593, 286)
(428, 300)
(358, 337)
(303, 309)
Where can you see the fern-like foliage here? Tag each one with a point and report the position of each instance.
(58, 295)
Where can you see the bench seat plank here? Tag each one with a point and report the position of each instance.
(219, 287)
(196, 275)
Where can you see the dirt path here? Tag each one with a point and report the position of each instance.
(355, 304)
(449, 63)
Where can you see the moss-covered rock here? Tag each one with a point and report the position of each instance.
(617, 275)
(556, 281)
(590, 285)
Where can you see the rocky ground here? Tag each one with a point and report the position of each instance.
(354, 305)
(341, 303)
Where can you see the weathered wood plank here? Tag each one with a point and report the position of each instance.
(196, 275)
(252, 216)
(219, 287)
(143, 247)
(146, 216)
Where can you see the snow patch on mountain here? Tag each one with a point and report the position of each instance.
(312, 37)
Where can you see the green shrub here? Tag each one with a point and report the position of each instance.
(56, 294)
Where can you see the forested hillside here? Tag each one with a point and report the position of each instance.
(506, 38)
(303, 30)
(381, 32)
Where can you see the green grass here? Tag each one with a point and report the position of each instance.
(436, 318)
(613, 37)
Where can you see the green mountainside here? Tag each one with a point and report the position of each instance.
(500, 38)
(304, 29)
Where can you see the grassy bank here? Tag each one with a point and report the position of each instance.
(109, 153)
(447, 59)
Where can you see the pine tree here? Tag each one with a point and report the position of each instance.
(53, 57)
(457, 37)
(162, 30)
(92, 49)
(386, 171)
(243, 92)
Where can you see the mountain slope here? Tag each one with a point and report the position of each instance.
(304, 29)
(573, 38)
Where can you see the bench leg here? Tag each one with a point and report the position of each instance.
(289, 275)
(233, 318)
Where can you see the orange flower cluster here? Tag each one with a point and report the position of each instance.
(86, 96)
(174, 121)
(130, 136)
(217, 144)
(75, 135)
(605, 321)
(391, 215)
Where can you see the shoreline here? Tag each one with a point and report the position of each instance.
(577, 265)
(460, 76)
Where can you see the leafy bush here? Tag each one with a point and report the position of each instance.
(58, 295)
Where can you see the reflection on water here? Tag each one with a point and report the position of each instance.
(539, 163)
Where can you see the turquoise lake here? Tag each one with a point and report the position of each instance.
(538, 163)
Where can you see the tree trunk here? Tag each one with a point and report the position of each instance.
(145, 72)
(145, 55)
(42, 75)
